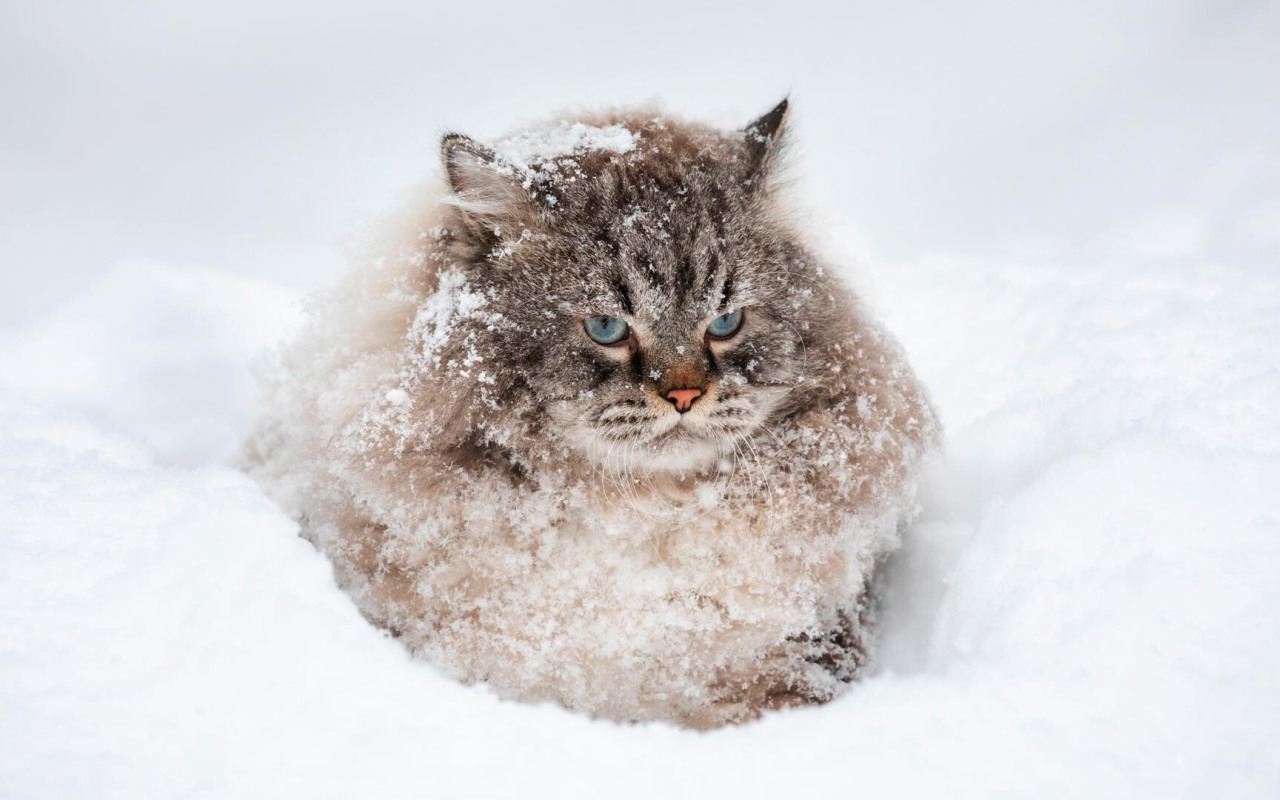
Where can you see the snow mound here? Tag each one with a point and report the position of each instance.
(162, 354)
(1087, 607)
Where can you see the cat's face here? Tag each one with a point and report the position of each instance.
(655, 308)
(649, 369)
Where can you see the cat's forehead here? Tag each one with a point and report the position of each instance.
(640, 214)
(625, 167)
(660, 280)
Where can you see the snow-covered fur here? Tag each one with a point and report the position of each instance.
(521, 506)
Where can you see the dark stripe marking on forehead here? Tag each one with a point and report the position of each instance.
(684, 279)
(624, 295)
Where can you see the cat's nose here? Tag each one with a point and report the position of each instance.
(683, 399)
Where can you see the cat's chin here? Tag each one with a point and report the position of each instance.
(675, 452)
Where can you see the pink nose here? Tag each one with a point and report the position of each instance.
(683, 399)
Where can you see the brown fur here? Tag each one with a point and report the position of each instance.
(520, 506)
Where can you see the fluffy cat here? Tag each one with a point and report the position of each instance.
(602, 428)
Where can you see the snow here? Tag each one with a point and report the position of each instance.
(1079, 253)
(1086, 607)
(164, 355)
(542, 145)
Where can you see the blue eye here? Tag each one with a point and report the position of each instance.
(607, 330)
(725, 325)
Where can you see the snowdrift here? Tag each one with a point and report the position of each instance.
(1087, 607)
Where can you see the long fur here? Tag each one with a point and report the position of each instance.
(521, 507)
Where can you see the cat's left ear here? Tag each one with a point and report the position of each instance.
(764, 138)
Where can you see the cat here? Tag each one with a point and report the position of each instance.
(602, 428)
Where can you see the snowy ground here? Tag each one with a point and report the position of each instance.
(1087, 608)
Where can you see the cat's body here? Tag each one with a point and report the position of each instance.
(675, 525)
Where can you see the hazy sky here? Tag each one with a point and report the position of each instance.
(255, 136)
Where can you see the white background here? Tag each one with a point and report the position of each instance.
(250, 136)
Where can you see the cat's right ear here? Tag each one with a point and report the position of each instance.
(484, 187)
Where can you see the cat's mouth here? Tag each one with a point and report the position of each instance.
(637, 438)
(646, 434)
(660, 429)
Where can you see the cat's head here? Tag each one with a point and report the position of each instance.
(654, 305)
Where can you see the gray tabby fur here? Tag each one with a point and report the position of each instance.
(520, 505)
